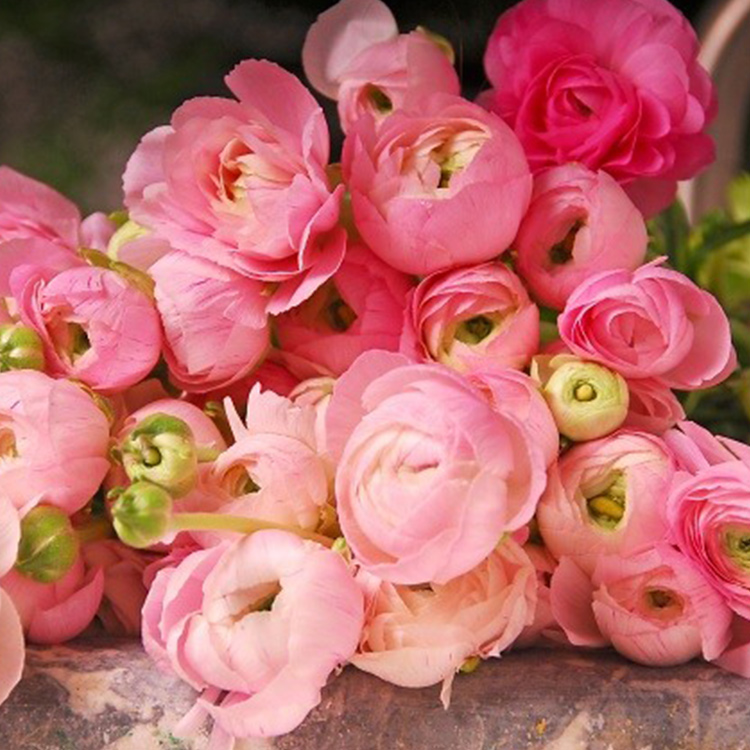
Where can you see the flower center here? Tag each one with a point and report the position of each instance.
(737, 546)
(8, 448)
(663, 603)
(238, 482)
(378, 99)
(606, 506)
(474, 330)
(562, 252)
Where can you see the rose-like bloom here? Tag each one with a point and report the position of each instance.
(428, 179)
(652, 406)
(607, 497)
(511, 392)
(243, 183)
(11, 631)
(430, 475)
(360, 308)
(616, 87)
(95, 325)
(56, 612)
(472, 319)
(655, 607)
(709, 517)
(274, 470)
(353, 53)
(53, 441)
(215, 324)
(579, 223)
(266, 619)
(31, 209)
(652, 322)
(420, 636)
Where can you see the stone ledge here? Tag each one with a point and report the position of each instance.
(106, 694)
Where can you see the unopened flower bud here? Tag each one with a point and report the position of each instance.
(21, 348)
(161, 449)
(128, 231)
(49, 545)
(587, 400)
(142, 514)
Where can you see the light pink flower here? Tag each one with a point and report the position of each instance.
(56, 612)
(652, 407)
(215, 324)
(430, 475)
(360, 308)
(472, 319)
(709, 517)
(54, 441)
(616, 86)
(11, 632)
(654, 607)
(10, 535)
(416, 637)
(96, 327)
(578, 224)
(316, 392)
(652, 322)
(426, 179)
(695, 448)
(243, 183)
(607, 497)
(266, 619)
(353, 53)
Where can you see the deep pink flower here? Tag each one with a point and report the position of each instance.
(243, 183)
(652, 322)
(615, 85)
(427, 179)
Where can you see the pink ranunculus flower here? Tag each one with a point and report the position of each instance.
(652, 407)
(353, 53)
(607, 497)
(258, 626)
(655, 607)
(56, 612)
(316, 392)
(695, 448)
(472, 319)
(427, 179)
(274, 471)
(430, 476)
(514, 393)
(242, 182)
(11, 631)
(54, 441)
(360, 308)
(215, 323)
(709, 518)
(578, 224)
(95, 325)
(415, 637)
(652, 322)
(616, 86)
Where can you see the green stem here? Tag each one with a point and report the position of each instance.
(238, 524)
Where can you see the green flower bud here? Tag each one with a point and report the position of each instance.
(587, 400)
(21, 348)
(161, 450)
(49, 545)
(142, 514)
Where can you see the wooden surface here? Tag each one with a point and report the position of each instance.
(90, 696)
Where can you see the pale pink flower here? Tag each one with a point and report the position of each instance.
(53, 439)
(95, 325)
(607, 496)
(242, 182)
(654, 606)
(215, 324)
(578, 224)
(316, 392)
(10, 535)
(360, 308)
(430, 476)
(353, 53)
(266, 619)
(428, 178)
(416, 637)
(472, 319)
(615, 85)
(695, 448)
(652, 322)
(56, 612)
(653, 407)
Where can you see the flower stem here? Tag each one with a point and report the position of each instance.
(239, 524)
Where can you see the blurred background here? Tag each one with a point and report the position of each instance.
(82, 80)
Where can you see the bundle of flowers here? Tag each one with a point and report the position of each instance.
(406, 411)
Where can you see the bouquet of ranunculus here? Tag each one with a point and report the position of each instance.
(404, 411)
